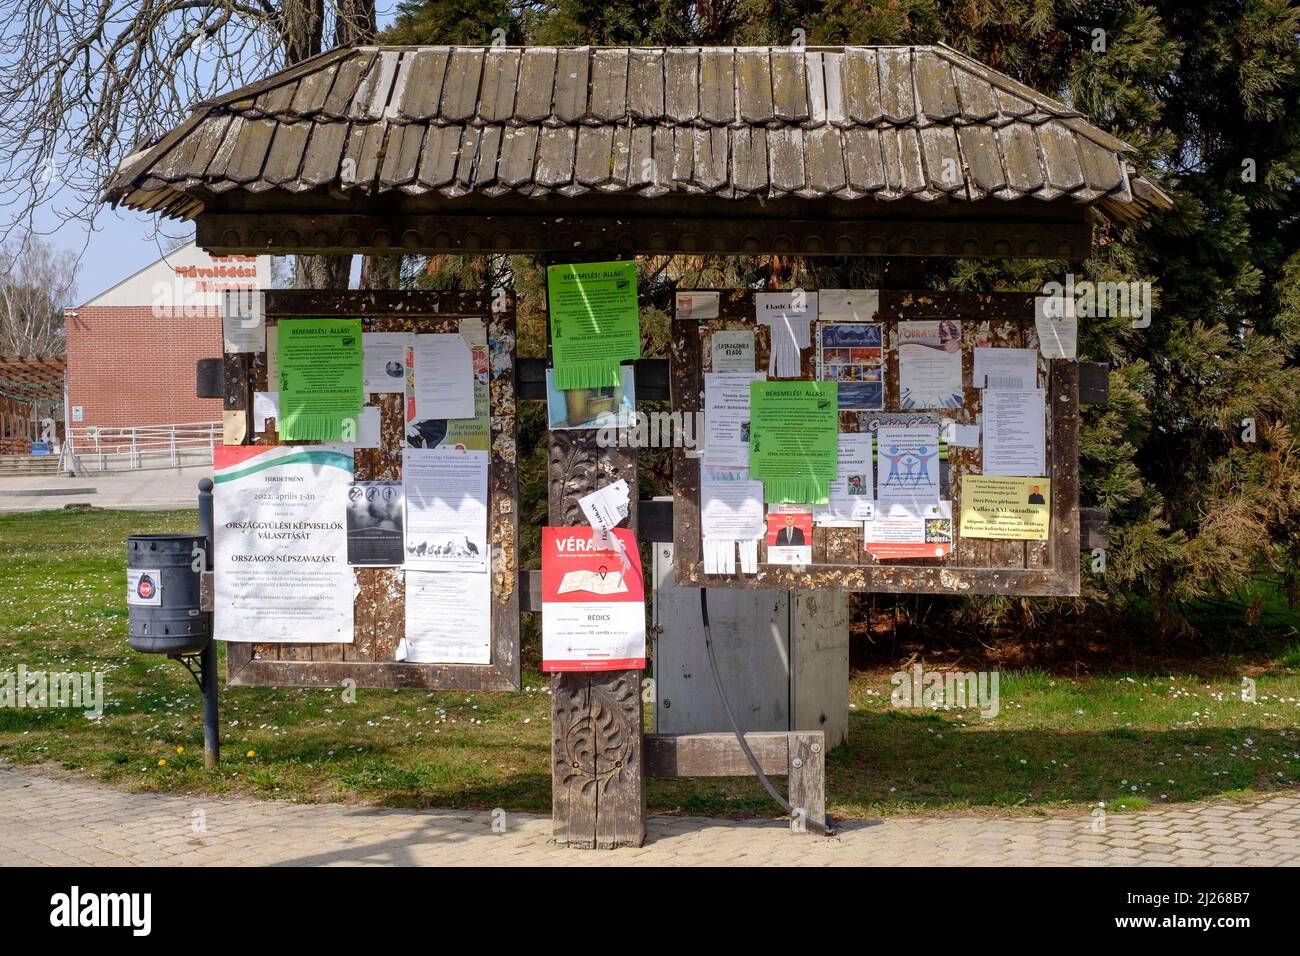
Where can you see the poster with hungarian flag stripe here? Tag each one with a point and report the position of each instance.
(281, 548)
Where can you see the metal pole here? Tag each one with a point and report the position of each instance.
(208, 658)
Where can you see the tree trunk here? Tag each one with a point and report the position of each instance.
(322, 272)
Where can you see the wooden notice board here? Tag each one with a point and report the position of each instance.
(839, 558)
(379, 609)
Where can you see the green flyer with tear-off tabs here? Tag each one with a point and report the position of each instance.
(594, 322)
(794, 439)
(321, 391)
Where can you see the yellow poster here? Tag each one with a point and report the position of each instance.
(1009, 509)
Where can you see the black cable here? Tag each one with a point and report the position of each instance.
(828, 826)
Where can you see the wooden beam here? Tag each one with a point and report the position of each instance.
(286, 232)
(651, 378)
(800, 756)
(675, 756)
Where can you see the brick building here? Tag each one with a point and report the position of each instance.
(132, 348)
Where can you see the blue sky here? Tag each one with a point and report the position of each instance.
(120, 241)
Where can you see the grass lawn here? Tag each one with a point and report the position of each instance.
(1129, 739)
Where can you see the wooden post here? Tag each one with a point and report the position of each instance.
(597, 778)
(597, 771)
(819, 669)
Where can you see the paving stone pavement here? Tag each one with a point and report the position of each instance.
(55, 819)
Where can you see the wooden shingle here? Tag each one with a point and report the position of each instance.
(754, 85)
(320, 161)
(711, 158)
(825, 159)
(785, 166)
(1019, 148)
(789, 85)
(285, 156)
(422, 91)
(518, 150)
(897, 93)
(460, 88)
(441, 150)
(555, 148)
(979, 149)
(572, 70)
(595, 147)
(862, 159)
(861, 83)
(536, 85)
(1060, 157)
(346, 79)
(681, 85)
(500, 77)
(717, 85)
(934, 87)
(749, 159)
(609, 85)
(942, 159)
(645, 84)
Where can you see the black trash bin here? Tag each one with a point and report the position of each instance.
(163, 594)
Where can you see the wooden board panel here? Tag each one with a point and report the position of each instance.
(975, 566)
(379, 609)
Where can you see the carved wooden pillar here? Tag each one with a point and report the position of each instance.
(597, 781)
(597, 776)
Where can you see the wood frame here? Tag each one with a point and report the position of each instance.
(378, 613)
(798, 755)
(985, 567)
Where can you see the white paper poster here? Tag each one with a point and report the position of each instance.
(444, 377)
(1014, 432)
(732, 351)
(446, 509)
(788, 315)
(731, 509)
(266, 405)
(448, 617)
(929, 364)
(606, 508)
(1058, 328)
(851, 493)
(697, 305)
(383, 365)
(1005, 368)
(847, 305)
(726, 417)
(907, 467)
(281, 550)
(243, 321)
(961, 436)
(900, 532)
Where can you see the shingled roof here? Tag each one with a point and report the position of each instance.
(879, 123)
